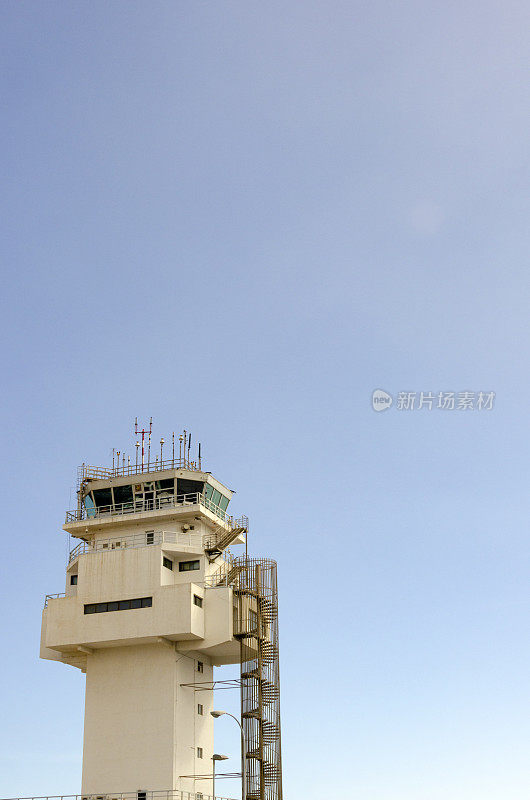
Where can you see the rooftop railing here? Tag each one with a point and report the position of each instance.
(155, 504)
(90, 473)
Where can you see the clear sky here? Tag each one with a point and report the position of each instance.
(241, 218)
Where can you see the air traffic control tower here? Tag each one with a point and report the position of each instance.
(154, 601)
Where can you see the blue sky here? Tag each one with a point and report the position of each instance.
(241, 218)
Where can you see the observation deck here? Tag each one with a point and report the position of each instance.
(134, 494)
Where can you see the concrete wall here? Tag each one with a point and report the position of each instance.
(142, 728)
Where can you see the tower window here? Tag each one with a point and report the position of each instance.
(200, 709)
(118, 605)
(188, 566)
(200, 666)
(197, 600)
(73, 580)
(199, 752)
(149, 537)
(167, 562)
(141, 795)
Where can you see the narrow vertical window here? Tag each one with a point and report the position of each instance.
(200, 709)
(200, 666)
(199, 752)
(197, 600)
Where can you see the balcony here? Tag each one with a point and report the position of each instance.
(179, 501)
(190, 539)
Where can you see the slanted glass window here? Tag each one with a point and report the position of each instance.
(208, 490)
(123, 495)
(167, 563)
(90, 507)
(103, 497)
(223, 503)
(197, 600)
(185, 486)
(188, 566)
(216, 496)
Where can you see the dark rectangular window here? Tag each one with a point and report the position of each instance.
(73, 580)
(123, 494)
(199, 752)
(197, 600)
(118, 605)
(142, 795)
(188, 566)
(168, 484)
(167, 562)
(149, 537)
(185, 486)
(200, 709)
(103, 497)
(200, 666)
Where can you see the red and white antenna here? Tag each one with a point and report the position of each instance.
(143, 434)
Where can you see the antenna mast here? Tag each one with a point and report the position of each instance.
(143, 434)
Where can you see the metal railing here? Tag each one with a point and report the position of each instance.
(53, 597)
(138, 506)
(91, 473)
(133, 541)
(154, 795)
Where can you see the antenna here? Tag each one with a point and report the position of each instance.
(173, 441)
(200, 466)
(143, 432)
(161, 447)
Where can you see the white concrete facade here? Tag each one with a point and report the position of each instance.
(142, 616)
